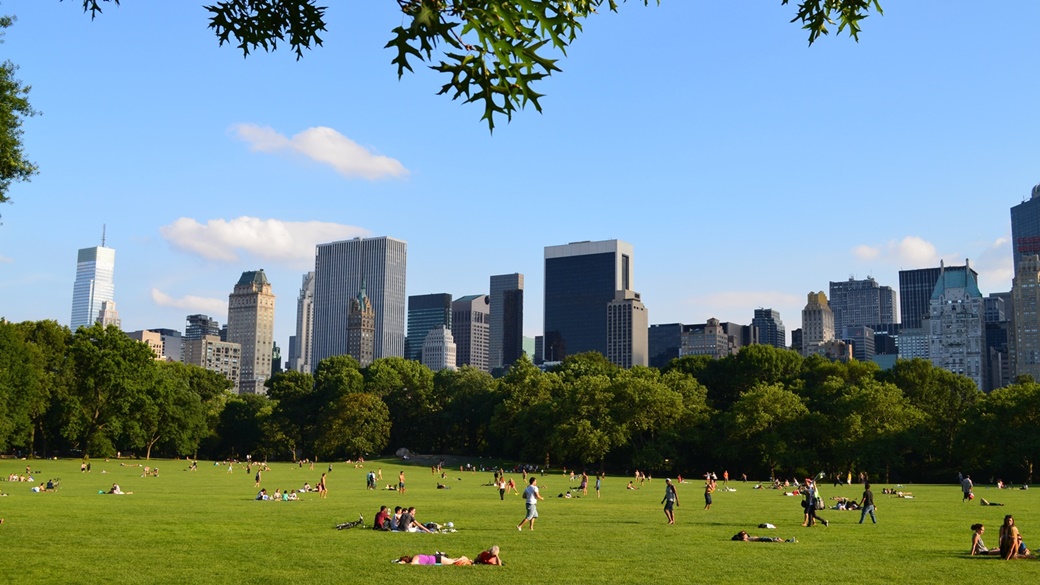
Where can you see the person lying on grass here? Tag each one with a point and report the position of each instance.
(437, 558)
(488, 557)
(743, 536)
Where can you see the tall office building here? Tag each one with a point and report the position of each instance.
(581, 278)
(506, 328)
(109, 315)
(663, 343)
(915, 293)
(361, 328)
(861, 302)
(817, 323)
(627, 325)
(95, 284)
(215, 355)
(769, 329)
(438, 349)
(339, 270)
(425, 313)
(862, 339)
(199, 326)
(1025, 227)
(1025, 337)
(251, 324)
(172, 343)
(300, 351)
(470, 316)
(956, 323)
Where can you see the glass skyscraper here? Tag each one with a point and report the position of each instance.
(425, 313)
(581, 279)
(507, 320)
(340, 269)
(95, 268)
(1025, 227)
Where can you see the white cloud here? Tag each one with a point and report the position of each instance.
(995, 266)
(289, 242)
(6, 260)
(323, 145)
(190, 303)
(910, 252)
(864, 252)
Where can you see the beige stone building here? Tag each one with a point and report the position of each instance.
(251, 324)
(215, 355)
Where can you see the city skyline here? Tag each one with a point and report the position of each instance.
(703, 150)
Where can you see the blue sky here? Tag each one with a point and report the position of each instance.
(746, 168)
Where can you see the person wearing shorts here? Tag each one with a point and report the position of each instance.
(531, 497)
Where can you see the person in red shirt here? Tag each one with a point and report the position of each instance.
(488, 557)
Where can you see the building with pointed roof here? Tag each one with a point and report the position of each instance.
(956, 323)
(250, 324)
(361, 328)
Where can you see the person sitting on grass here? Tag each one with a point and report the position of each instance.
(382, 521)
(437, 558)
(977, 546)
(488, 557)
(117, 490)
(743, 536)
(262, 494)
(408, 523)
(1011, 544)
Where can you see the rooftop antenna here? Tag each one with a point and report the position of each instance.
(102, 235)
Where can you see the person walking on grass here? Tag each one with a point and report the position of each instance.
(709, 487)
(966, 486)
(671, 499)
(867, 504)
(531, 497)
(599, 483)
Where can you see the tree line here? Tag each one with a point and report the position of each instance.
(762, 411)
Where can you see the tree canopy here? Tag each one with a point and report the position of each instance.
(14, 108)
(491, 52)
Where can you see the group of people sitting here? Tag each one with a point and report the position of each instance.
(403, 520)
(487, 557)
(1010, 541)
(278, 496)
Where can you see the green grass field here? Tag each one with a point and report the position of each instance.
(205, 527)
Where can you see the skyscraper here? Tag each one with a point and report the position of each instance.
(861, 302)
(1025, 227)
(361, 328)
(300, 351)
(425, 313)
(915, 293)
(469, 326)
(506, 328)
(769, 328)
(199, 326)
(817, 323)
(581, 278)
(251, 325)
(438, 349)
(956, 323)
(1025, 337)
(339, 269)
(627, 324)
(215, 355)
(95, 284)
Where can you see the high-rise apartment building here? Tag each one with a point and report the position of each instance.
(361, 328)
(300, 351)
(1025, 227)
(581, 278)
(861, 302)
(862, 339)
(1025, 337)
(95, 284)
(709, 339)
(769, 329)
(171, 343)
(956, 323)
(251, 324)
(438, 349)
(470, 325)
(817, 323)
(153, 339)
(339, 270)
(199, 326)
(627, 325)
(425, 313)
(506, 327)
(215, 355)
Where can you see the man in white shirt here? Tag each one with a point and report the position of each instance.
(531, 497)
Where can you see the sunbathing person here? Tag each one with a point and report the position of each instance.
(985, 502)
(977, 546)
(743, 536)
(434, 559)
(488, 557)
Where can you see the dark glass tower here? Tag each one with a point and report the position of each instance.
(1025, 227)
(915, 292)
(770, 328)
(580, 281)
(425, 312)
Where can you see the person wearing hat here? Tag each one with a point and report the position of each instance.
(671, 499)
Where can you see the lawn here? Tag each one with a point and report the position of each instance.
(204, 527)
